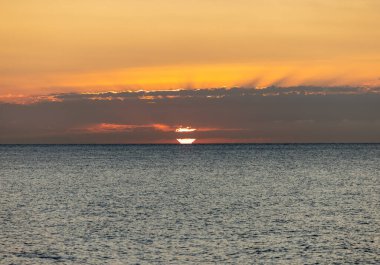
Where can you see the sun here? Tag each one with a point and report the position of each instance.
(185, 130)
(186, 140)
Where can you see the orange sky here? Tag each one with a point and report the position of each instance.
(92, 45)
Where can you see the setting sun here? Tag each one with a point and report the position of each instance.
(187, 131)
(186, 141)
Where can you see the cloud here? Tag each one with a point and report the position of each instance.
(292, 114)
(190, 93)
(112, 127)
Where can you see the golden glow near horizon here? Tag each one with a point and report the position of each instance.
(92, 45)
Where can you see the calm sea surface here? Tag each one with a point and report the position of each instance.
(172, 204)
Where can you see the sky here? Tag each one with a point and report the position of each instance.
(56, 56)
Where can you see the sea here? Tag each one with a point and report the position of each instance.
(190, 204)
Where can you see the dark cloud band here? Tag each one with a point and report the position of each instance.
(294, 114)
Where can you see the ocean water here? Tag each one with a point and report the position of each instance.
(197, 204)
